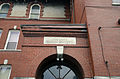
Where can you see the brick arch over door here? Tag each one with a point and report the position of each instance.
(68, 62)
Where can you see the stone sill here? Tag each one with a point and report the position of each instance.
(10, 50)
(116, 4)
(41, 19)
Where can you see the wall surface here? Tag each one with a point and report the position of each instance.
(79, 6)
(88, 50)
(31, 50)
(34, 51)
(101, 13)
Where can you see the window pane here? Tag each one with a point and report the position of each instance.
(12, 39)
(116, 1)
(14, 36)
(5, 8)
(35, 9)
(3, 15)
(70, 75)
(48, 75)
(11, 45)
(5, 71)
(34, 16)
(59, 72)
(55, 70)
(64, 70)
(0, 33)
(35, 12)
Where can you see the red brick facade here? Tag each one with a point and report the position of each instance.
(91, 51)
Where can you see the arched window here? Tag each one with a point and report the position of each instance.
(59, 72)
(4, 10)
(35, 11)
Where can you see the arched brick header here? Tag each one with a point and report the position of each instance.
(68, 61)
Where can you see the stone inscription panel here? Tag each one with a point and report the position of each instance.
(59, 40)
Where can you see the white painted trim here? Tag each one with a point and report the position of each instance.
(31, 10)
(10, 73)
(1, 33)
(10, 50)
(116, 4)
(41, 19)
(9, 37)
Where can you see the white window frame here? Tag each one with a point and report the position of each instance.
(31, 11)
(115, 3)
(2, 5)
(9, 37)
(1, 33)
(10, 70)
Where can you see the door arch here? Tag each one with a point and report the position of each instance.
(50, 68)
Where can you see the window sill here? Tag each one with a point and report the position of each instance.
(2, 17)
(10, 50)
(116, 4)
(40, 19)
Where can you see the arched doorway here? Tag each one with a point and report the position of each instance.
(50, 68)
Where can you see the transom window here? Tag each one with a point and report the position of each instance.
(4, 10)
(5, 71)
(59, 72)
(115, 2)
(35, 11)
(12, 39)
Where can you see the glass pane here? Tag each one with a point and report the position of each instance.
(35, 9)
(3, 15)
(34, 16)
(59, 72)
(5, 72)
(14, 35)
(0, 33)
(48, 75)
(63, 71)
(5, 8)
(11, 45)
(116, 1)
(55, 70)
(70, 75)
